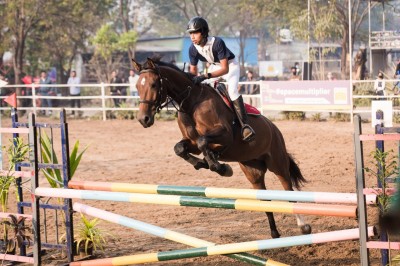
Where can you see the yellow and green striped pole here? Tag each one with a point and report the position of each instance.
(167, 234)
(341, 235)
(238, 204)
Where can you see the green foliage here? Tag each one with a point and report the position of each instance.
(291, 115)
(366, 88)
(341, 117)
(90, 235)
(105, 41)
(17, 152)
(54, 176)
(127, 40)
(386, 162)
(316, 117)
(124, 114)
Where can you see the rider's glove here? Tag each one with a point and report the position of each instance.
(199, 79)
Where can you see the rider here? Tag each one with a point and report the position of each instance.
(222, 64)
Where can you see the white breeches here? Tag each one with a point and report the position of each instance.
(232, 78)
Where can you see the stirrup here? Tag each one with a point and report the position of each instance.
(252, 133)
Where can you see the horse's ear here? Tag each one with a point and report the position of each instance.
(150, 63)
(136, 65)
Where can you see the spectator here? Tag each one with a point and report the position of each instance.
(294, 75)
(249, 88)
(133, 78)
(115, 90)
(330, 76)
(379, 86)
(45, 91)
(74, 91)
(3, 91)
(396, 86)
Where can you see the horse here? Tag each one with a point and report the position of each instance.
(208, 126)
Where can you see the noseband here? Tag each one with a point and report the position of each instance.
(161, 92)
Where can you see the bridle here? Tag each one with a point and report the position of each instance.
(162, 92)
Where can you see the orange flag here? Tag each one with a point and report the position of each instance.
(12, 100)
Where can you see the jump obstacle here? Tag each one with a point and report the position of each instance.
(231, 193)
(244, 199)
(237, 204)
(381, 134)
(164, 233)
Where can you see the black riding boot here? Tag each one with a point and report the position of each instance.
(247, 132)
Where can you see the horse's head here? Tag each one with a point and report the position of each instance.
(152, 93)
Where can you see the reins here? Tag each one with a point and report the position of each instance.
(163, 93)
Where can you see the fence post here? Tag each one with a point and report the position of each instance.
(34, 99)
(103, 101)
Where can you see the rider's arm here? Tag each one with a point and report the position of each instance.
(224, 69)
(193, 69)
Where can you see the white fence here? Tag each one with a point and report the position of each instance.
(96, 99)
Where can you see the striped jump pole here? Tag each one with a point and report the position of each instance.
(238, 204)
(318, 238)
(214, 192)
(167, 234)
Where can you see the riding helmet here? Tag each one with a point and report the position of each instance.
(198, 24)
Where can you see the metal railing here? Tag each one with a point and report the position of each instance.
(96, 98)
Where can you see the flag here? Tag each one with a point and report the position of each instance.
(12, 100)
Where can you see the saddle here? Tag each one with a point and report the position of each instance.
(223, 93)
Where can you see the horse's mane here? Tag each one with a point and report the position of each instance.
(158, 61)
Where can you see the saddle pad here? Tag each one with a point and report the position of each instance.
(250, 110)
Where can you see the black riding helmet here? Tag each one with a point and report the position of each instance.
(198, 24)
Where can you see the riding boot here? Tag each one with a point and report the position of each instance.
(247, 132)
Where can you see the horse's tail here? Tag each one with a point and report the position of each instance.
(295, 174)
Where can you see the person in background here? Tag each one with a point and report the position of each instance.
(115, 90)
(222, 64)
(74, 91)
(330, 76)
(45, 91)
(379, 86)
(396, 86)
(133, 78)
(294, 75)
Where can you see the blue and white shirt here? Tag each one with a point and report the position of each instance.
(212, 52)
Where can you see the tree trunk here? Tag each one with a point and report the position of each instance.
(343, 58)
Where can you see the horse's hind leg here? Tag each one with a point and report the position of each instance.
(255, 173)
(182, 150)
(287, 185)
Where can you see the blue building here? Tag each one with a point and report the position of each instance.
(176, 48)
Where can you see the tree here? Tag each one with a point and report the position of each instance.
(20, 16)
(65, 31)
(359, 10)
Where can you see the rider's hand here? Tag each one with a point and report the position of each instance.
(198, 79)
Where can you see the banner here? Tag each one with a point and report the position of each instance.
(306, 95)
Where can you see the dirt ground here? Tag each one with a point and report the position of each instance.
(123, 151)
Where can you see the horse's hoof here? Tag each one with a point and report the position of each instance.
(305, 229)
(227, 170)
(275, 234)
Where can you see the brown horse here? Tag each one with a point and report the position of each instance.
(209, 127)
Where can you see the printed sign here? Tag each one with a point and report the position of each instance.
(306, 95)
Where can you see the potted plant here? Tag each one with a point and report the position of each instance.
(90, 237)
(17, 227)
(17, 152)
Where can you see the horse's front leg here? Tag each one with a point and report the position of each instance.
(183, 149)
(211, 157)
